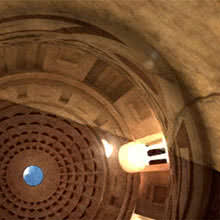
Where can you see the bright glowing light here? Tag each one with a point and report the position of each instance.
(133, 157)
(139, 217)
(108, 148)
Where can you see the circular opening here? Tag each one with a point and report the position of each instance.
(33, 175)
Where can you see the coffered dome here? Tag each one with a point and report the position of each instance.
(70, 156)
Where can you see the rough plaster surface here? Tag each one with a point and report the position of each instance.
(184, 33)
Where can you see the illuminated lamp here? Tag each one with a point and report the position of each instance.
(136, 157)
(133, 157)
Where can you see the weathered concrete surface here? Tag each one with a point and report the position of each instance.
(186, 33)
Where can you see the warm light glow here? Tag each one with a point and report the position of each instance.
(151, 138)
(133, 157)
(108, 148)
(139, 217)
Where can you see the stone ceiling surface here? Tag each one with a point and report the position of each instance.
(185, 33)
(57, 68)
(164, 56)
(74, 171)
(76, 183)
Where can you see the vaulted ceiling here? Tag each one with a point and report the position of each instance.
(133, 69)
